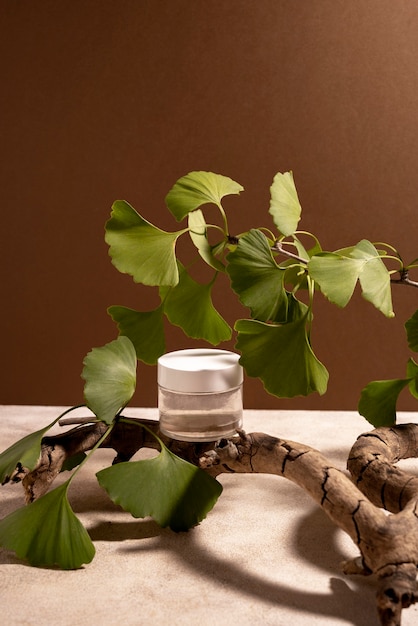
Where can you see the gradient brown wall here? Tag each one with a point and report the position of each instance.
(103, 100)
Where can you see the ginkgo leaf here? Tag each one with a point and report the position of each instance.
(296, 310)
(296, 272)
(303, 251)
(197, 225)
(295, 277)
(140, 249)
(47, 533)
(284, 203)
(378, 401)
(25, 452)
(189, 305)
(412, 373)
(73, 461)
(257, 279)
(337, 273)
(110, 375)
(144, 328)
(281, 356)
(374, 278)
(411, 327)
(197, 188)
(172, 491)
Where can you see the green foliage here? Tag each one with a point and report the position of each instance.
(267, 272)
(276, 276)
(197, 188)
(148, 254)
(198, 234)
(145, 329)
(411, 327)
(110, 375)
(140, 249)
(47, 533)
(379, 398)
(174, 492)
(284, 204)
(281, 356)
(412, 373)
(73, 461)
(378, 401)
(190, 296)
(257, 279)
(25, 452)
(337, 275)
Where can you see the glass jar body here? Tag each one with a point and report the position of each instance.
(192, 416)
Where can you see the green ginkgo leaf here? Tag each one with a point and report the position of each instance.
(378, 401)
(281, 356)
(337, 274)
(411, 327)
(197, 188)
(296, 272)
(47, 533)
(110, 375)
(197, 225)
(140, 249)
(167, 488)
(374, 278)
(296, 309)
(73, 461)
(144, 328)
(412, 373)
(303, 251)
(284, 203)
(25, 452)
(257, 279)
(189, 305)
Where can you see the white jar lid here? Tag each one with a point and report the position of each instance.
(199, 370)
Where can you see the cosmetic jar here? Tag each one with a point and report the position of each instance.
(200, 394)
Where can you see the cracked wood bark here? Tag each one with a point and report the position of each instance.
(388, 543)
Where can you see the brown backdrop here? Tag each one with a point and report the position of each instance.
(106, 99)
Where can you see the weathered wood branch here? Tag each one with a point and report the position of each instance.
(387, 542)
(125, 438)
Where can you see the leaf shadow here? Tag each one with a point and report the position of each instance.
(313, 539)
(354, 602)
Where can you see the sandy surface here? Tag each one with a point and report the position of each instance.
(266, 554)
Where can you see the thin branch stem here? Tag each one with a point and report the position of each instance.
(98, 443)
(278, 247)
(404, 279)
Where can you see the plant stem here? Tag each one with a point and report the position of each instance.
(91, 452)
(404, 279)
(135, 422)
(278, 247)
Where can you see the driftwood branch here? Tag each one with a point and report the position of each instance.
(387, 542)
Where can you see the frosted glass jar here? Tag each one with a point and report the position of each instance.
(200, 394)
